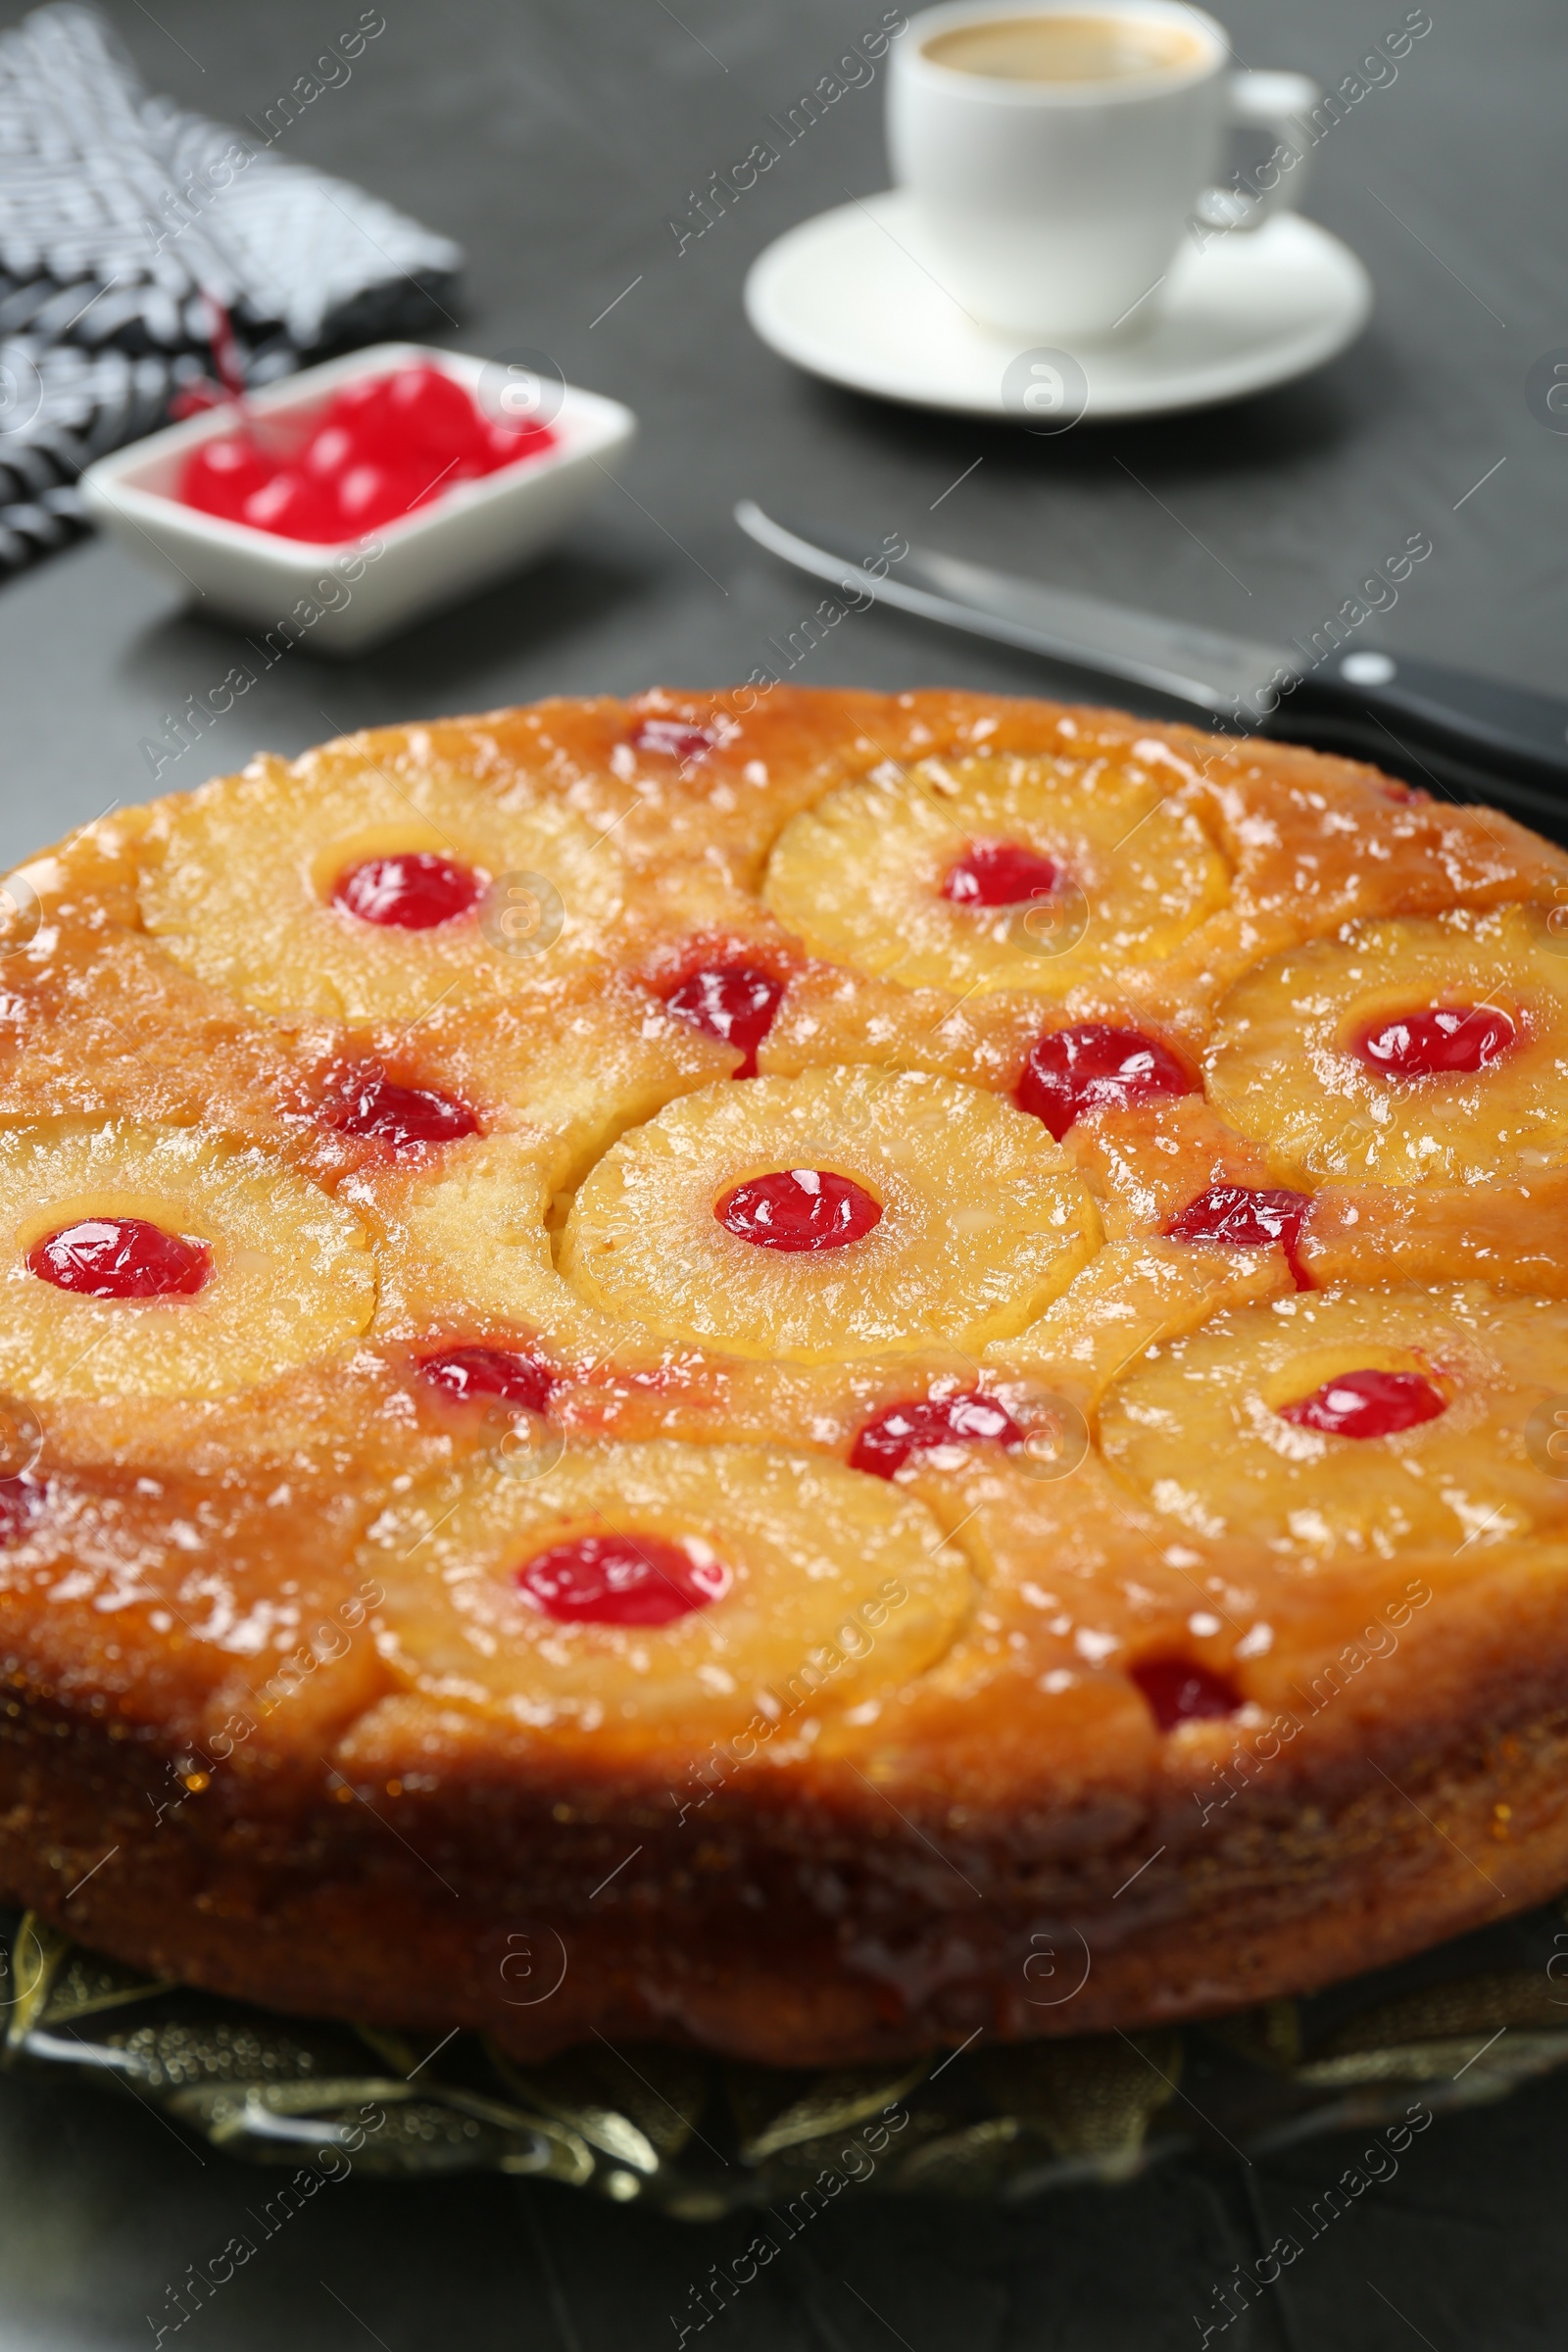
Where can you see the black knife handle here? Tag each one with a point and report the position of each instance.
(1438, 726)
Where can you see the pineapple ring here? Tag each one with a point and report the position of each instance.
(981, 1224)
(238, 889)
(1283, 1068)
(468, 1245)
(835, 1583)
(1198, 1428)
(859, 877)
(291, 1278)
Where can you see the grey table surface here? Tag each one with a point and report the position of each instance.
(556, 140)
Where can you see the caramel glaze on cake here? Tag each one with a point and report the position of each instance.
(1041, 1509)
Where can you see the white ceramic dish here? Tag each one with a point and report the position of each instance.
(472, 534)
(852, 296)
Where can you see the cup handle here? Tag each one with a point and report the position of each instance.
(1277, 109)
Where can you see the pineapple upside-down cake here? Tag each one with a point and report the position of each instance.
(803, 1371)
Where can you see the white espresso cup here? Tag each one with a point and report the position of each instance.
(1057, 150)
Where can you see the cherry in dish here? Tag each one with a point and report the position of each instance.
(381, 449)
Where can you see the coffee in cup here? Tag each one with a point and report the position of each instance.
(1057, 154)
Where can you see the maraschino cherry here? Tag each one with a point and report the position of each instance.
(414, 891)
(1093, 1066)
(222, 475)
(799, 1208)
(886, 1444)
(120, 1257)
(1247, 1216)
(1452, 1042)
(372, 1106)
(1367, 1404)
(475, 1372)
(623, 1580)
(673, 739)
(1180, 1691)
(999, 874)
(381, 449)
(732, 1001)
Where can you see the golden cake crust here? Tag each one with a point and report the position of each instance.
(280, 1718)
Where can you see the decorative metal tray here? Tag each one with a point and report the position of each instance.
(697, 2136)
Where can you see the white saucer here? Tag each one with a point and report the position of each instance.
(850, 295)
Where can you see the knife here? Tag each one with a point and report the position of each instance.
(1419, 719)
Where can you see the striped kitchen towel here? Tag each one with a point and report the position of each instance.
(125, 221)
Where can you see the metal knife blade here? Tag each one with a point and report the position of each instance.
(1460, 734)
(1218, 675)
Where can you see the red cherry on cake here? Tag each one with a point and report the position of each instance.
(623, 1580)
(1247, 1217)
(20, 1502)
(1179, 1690)
(999, 874)
(886, 1444)
(673, 739)
(399, 1116)
(1367, 1404)
(1457, 1041)
(732, 1001)
(411, 892)
(120, 1257)
(1096, 1067)
(475, 1372)
(799, 1208)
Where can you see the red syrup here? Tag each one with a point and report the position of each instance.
(673, 739)
(1179, 1690)
(1247, 1217)
(886, 1444)
(120, 1257)
(413, 892)
(1095, 1067)
(399, 1116)
(799, 1208)
(1367, 1404)
(623, 1579)
(999, 874)
(732, 1001)
(483, 1372)
(1455, 1042)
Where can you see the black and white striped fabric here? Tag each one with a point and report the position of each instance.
(119, 217)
